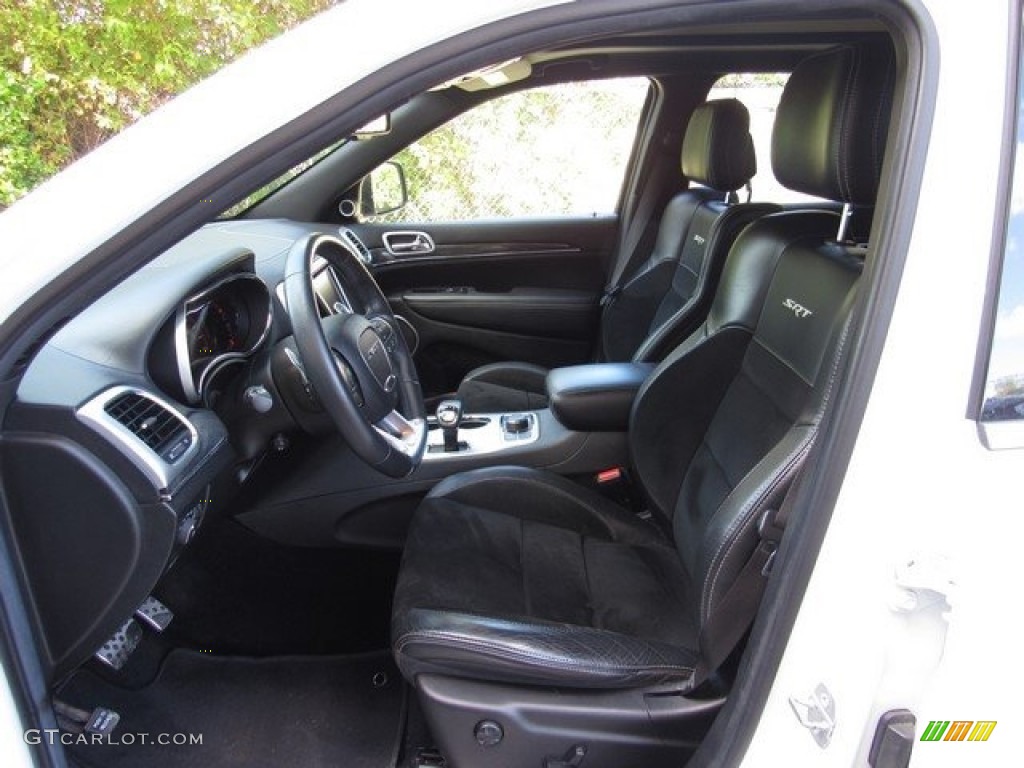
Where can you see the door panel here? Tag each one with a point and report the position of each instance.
(526, 289)
(498, 247)
(557, 312)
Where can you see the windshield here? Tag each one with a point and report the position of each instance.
(285, 178)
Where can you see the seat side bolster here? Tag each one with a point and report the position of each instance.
(547, 498)
(510, 374)
(504, 387)
(533, 652)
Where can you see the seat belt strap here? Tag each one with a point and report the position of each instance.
(637, 228)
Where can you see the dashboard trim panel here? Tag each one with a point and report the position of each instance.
(162, 474)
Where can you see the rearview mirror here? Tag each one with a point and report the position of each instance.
(383, 190)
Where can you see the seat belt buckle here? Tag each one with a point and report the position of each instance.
(606, 476)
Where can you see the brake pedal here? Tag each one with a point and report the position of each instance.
(115, 652)
(154, 614)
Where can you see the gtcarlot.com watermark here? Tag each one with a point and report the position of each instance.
(53, 736)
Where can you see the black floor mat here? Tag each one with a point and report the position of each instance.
(293, 711)
(235, 593)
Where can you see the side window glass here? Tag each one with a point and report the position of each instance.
(554, 150)
(760, 93)
(1004, 388)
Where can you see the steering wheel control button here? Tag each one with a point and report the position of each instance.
(488, 733)
(518, 426)
(386, 332)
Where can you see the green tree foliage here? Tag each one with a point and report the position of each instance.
(75, 72)
(520, 154)
(752, 80)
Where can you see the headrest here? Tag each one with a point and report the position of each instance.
(717, 149)
(830, 128)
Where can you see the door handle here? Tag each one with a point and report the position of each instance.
(404, 243)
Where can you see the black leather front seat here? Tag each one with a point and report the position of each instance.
(536, 618)
(667, 295)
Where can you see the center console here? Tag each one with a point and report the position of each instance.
(596, 398)
(583, 432)
(584, 399)
(453, 436)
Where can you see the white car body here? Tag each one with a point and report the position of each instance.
(921, 487)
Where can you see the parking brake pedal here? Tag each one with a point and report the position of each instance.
(115, 652)
(154, 614)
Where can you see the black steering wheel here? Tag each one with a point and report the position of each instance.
(359, 365)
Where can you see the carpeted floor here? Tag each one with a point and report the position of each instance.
(237, 594)
(281, 711)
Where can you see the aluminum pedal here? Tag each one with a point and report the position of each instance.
(154, 614)
(115, 652)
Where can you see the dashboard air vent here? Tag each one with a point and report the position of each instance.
(153, 424)
(359, 245)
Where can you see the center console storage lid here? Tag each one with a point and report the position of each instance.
(595, 398)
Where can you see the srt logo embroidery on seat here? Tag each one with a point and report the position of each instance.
(798, 309)
(698, 239)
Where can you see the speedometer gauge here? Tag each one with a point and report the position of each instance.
(226, 322)
(213, 328)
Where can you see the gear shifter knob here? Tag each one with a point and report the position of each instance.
(449, 416)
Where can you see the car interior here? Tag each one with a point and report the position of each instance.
(335, 490)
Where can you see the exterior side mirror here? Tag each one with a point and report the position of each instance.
(383, 190)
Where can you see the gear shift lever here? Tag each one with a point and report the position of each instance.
(449, 416)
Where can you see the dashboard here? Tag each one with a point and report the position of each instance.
(189, 333)
(139, 404)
